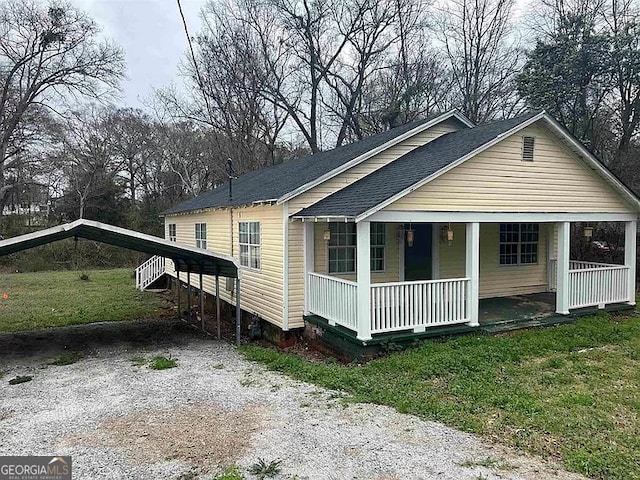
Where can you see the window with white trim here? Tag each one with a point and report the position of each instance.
(519, 243)
(201, 235)
(342, 247)
(378, 246)
(250, 246)
(173, 237)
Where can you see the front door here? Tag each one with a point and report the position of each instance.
(418, 257)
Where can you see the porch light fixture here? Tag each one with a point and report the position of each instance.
(588, 231)
(446, 234)
(327, 234)
(410, 236)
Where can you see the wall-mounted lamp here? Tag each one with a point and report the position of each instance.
(446, 234)
(327, 234)
(588, 231)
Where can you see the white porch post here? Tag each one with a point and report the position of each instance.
(551, 255)
(562, 277)
(363, 270)
(308, 259)
(630, 230)
(472, 271)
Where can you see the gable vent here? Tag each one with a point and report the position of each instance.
(528, 144)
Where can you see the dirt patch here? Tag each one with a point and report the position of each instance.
(202, 435)
(86, 340)
(4, 414)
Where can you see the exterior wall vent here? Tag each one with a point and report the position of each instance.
(528, 145)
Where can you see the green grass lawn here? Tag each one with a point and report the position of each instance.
(54, 299)
(571, 392)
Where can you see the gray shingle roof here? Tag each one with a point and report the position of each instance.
(406, 171)
(274, 182)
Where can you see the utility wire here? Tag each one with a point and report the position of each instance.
(195, 63)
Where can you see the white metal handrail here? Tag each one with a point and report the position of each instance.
(150, 271)
(417, 305)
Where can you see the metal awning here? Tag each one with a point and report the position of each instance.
(185, 257)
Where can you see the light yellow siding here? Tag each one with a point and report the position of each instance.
(370, 165)
(452, 257)
(261, 290)
(495, 280)
(497, 180)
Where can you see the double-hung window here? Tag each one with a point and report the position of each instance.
(378, 245)
(342, 247)
(250, 244)
(173, 237)
(519, 243)
(201, 235)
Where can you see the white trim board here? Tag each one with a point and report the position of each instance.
(559, 130)
(285, 267)
(497, 217)
(367, 155)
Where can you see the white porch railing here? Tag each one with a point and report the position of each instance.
(417, 305)
(334, 299)
(150, 271)
(592, 283)
(598, 286)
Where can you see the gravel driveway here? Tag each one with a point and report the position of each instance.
(119, 420)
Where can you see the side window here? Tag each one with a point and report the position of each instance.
(250, 244)
(342, 247)
(378, 246)
(173, 237)
(201, 235)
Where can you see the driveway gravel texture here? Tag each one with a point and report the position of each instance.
(119, 419)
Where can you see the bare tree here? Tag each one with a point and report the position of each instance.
(129, 131)
(483, 59)
(88, 158)
(47, 51)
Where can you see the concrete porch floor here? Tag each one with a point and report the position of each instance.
(535, 306)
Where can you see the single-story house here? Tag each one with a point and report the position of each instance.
(412, 228)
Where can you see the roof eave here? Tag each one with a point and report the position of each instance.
(324, 218)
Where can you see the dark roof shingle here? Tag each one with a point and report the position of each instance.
(273, 182)
(407, 170)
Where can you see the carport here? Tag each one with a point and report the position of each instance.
(185, 257)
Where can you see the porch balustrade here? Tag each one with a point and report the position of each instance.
(598, 286)
(394, 306)
(334, 299)
(418, 305)
(593, 284)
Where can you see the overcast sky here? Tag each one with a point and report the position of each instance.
(152, 36)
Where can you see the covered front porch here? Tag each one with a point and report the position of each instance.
(483, 267)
